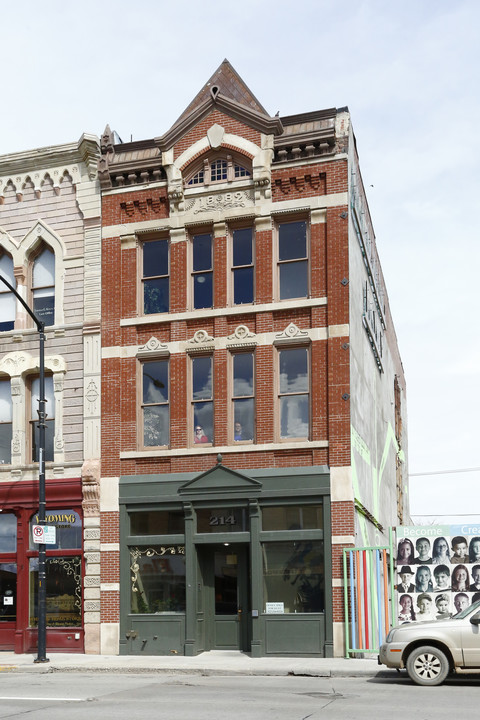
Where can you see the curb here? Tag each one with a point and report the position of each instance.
(199, 671)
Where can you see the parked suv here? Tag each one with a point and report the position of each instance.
(431, 650)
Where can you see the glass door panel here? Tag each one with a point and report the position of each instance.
(8, 592)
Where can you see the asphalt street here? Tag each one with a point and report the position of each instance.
(55, 696)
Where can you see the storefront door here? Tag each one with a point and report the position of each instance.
(226, 586)
(8, 604)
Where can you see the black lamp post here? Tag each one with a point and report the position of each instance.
(42, 577)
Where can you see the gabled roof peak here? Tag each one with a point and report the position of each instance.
(226, 91)
(227, 81)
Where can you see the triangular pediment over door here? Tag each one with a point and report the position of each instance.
(223, 482)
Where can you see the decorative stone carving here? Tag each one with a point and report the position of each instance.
(291, 333)
(91, 492)
(175, 197)
(242, 337)
(152, 347)
(91, 581)
(200, 341)
(92, 393)
(92, 605)
(215, 135)
(91, 534)
(16, 443)
(220, 201)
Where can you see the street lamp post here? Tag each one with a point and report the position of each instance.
(42, 577)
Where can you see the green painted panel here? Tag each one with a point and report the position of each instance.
(159, 635)
(294, 636)
(226, 632)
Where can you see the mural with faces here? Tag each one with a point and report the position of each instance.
(437, 570)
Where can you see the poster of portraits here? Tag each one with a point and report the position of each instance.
(437, 571)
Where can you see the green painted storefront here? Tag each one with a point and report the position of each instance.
(226, 560)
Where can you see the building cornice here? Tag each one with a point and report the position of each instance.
(86, 150)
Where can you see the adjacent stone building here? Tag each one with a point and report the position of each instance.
(253, 397)
(50, 244)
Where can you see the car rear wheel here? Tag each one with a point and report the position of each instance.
(428, 665)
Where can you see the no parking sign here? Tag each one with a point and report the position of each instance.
(44, 534)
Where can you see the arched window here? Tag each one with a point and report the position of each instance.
(7, 298)
(43, 286)
(225, 168)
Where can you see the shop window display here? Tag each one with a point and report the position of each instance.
(157, 579)
(293, 576)
(63, 571)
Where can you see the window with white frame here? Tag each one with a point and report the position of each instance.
(155, 403)
(202, 399)
(155, 276)
(292, 249)
(7, 298)
(224, 168)
(43, 286)
(242, 266)
(50, 418)
(293, 393)
(202, 271)
(243, 396)
(5, 421)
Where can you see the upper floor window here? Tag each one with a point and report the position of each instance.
(50, 417)
(243, 397)
(292, 260)
(155, 280)
(5, 421)
(219, 169)
(202, 399)
(293, 392)
(242, 266)
(202, 271)
(7, 298)
(155, 404)
(43, 286)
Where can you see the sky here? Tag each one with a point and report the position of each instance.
(408, 70)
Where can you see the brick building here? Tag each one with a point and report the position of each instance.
(50, 244)
(253, 398)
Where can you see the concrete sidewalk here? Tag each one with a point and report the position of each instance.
(208, 663)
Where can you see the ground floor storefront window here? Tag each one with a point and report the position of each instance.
(64, 591)
(64, 566)
(293, 576)
(157, 579)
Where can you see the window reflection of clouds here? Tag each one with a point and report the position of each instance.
(5, 401)
(293, 370)
(8, 532)
(155, 382)
(243, 374)
(49, 396)
(202, 378)
(203, 416)
(294, 416)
